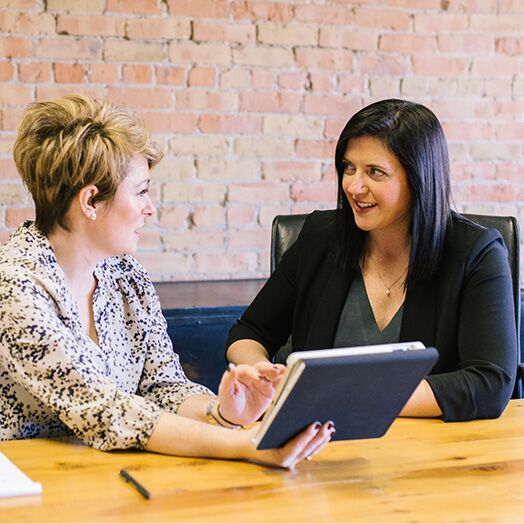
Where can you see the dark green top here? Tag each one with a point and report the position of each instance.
(357, 325)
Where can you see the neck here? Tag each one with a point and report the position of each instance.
(75, 258)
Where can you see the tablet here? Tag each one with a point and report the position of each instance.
(361, 389)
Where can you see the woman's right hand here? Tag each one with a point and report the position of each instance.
(303, 446)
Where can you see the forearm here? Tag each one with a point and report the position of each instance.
(247, 351)
(422, 403)
(179, 435)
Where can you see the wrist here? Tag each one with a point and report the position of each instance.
(214, 416)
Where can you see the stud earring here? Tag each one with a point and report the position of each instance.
(92, 215)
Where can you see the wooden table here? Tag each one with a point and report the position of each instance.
(421, 471)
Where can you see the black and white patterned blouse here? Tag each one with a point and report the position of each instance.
(54, 379)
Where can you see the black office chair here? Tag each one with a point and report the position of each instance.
(286, 228)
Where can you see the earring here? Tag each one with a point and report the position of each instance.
(92, 214)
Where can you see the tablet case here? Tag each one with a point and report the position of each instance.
(362, 394)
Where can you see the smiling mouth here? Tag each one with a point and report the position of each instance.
(364, 205)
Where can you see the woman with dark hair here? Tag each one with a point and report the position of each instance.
(394, 263)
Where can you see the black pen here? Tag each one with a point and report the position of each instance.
(129, 478)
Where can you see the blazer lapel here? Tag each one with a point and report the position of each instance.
(322, 330)
(420, 313)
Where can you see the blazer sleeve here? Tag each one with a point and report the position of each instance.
(487, 340)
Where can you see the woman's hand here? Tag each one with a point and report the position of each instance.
(245, 392)
(301, 447)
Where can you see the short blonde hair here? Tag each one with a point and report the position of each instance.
(66, 144)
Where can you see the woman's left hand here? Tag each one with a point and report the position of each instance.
(245, 392)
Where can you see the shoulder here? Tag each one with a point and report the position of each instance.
(468, 237)
(320, 224)
(123, 268)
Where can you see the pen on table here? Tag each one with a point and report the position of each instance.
(129, 478)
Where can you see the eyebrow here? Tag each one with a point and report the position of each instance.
(378, 166)
(145, 181)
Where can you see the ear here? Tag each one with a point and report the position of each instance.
(85, 199)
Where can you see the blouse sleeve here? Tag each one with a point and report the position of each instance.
(487, 341)
(53, 364)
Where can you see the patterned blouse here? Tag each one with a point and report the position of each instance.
(54, 379)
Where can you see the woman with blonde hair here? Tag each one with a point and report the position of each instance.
(84, 346)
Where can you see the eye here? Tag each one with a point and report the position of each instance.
(375, 172)
(349, 168)
(144, 192)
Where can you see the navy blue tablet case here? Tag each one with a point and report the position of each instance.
(361, 394)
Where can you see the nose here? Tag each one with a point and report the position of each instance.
(355, 184)
(149, 209)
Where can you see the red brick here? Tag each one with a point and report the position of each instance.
(194, 240)
(328, 14)
(14, 216)
(131, 97)
(230, 124)
(334, 126)
(34, 72)
(407, 43)
(509, 131)
(160, 265)
(262, 79)
(209, 217)
(384, 65)
(69, 73)
(26, 22)
(323, 149)
(500, 65)
(440, 22)
(21, 4)
(206, 100)
(170, 75)
(310, 58)
(8, 169)
(90, 6)
(270, 102)
(11, 117)
(162, 121)
(191, 53)
(258, 192)
(137, 74)
(322, 82)
(497, 23)
(133, 51)
(173, 217)
(467, 131)
(155, 28)
(234, 264)
(11, 47)
(102, 25)
(255, 239)
(66, 47)
(293, 80)
(287, 34)
(259, 10)
(236, 77)
(198, 8)
(465, 44)
(202, 76)
(52, 91)
(145, 7)
(102, 73)
(271, 57)
(224, 32)
(331, 104)
(510, 46)
(347, 37)
(6, 71)
(260, 147)
(440, 65)
(15, 95)
(353, 84)
(390, 19)
(314, 192)
(291, 170)
(239, 215)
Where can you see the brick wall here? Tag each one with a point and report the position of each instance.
(247, 98)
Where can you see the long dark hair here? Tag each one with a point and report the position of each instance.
(414, 135)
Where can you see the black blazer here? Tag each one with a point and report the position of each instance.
(466, 311)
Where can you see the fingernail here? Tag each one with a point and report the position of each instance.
(317, 426)
(230, 366)
(330, 425)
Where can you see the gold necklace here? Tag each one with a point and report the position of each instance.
(388, 288)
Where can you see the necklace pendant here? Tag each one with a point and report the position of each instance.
(388, 291)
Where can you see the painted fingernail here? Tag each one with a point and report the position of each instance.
(330, 425)
(317, 426)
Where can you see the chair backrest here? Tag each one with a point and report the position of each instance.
(286, 228)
